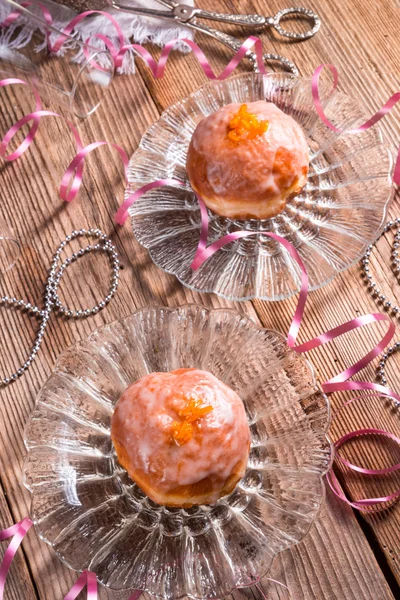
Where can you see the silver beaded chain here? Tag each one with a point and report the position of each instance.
(51, 299)
(372, 285)
(377, 294)
(381, 376)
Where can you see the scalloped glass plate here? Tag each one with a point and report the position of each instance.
(331, 223)
(94, 516)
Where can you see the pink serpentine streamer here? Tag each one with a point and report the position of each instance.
(366, 503)
(87, 579)
(339, 382)
(17, 532)
(117, 54)
(386, 108)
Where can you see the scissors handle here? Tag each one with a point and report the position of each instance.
(185, 13)
(303, 13)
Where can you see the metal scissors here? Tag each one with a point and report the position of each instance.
(187, 16)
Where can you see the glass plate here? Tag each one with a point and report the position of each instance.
(340, 212)
(86, 507)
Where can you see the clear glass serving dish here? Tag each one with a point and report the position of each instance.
(87, 508)
(339, 213)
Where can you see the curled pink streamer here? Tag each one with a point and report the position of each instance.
(337, 383)
(76, 166)
(366, 504)
(158, 69)
(10, 133)
(35, 117)
(369, 431)
(88, 579)
(387, 107)
(122, 213)
(12, 17)
(74, 171)
(17, 532)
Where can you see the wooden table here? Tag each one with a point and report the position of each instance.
(347, 554)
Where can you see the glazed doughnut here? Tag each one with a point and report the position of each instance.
(182, 436)
(246, 161)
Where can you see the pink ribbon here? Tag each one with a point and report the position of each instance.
(339, 382)
(12, 17)
(17, 532)
(371, 431)
(88, 579)
(159, 68)
(366, 503)
(11, 132)
(122, 213)
(74, 171)
(387, 107)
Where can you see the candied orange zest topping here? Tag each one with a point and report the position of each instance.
(194, 410)
(245, 126)
(182, 432)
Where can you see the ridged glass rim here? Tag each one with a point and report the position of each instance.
(186, 306)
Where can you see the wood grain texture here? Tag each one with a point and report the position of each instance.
(335, 561)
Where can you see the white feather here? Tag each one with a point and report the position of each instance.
(135, 28)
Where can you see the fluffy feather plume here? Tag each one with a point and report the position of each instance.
(135, 28)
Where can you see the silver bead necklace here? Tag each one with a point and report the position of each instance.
(382, 364)
(51, 298)
(377, 294)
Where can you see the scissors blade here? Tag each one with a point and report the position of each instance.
(146, 12)
(168, 3)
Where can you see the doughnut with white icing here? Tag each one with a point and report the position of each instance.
(248, 175)
(182, 436)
